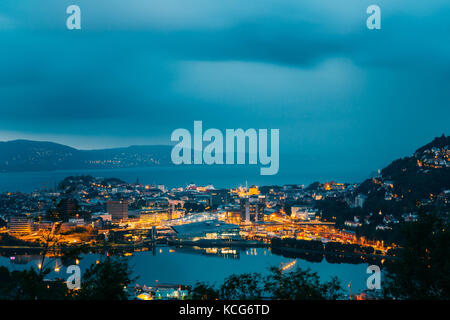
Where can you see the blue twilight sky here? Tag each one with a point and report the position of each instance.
(344, 97)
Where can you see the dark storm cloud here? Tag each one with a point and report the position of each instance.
(140, 69)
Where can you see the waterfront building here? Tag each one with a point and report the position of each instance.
(204, 199)
(19, 224)
(105, 217)
(78, 222)
(219, 197)
(245, 210)
(252, 208)
(45, 225)
(207, 230)
(117, 209)
(68, 226)
(68, 207)
(303, 213)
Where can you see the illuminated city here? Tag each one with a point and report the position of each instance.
(224, 159)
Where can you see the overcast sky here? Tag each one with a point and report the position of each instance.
(341, 95)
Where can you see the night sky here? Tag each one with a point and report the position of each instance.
(344, 97)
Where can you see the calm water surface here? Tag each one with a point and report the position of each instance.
(173, 176)
(174, 266)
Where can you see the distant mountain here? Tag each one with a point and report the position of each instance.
(26, 155)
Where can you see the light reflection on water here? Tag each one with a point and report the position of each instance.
(187, 265)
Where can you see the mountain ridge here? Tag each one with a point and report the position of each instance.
(28, 155)
(411, 181)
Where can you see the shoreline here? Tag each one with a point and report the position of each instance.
(209, 244)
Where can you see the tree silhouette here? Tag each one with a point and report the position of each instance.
(107, 280)
(301, 284)
(204, 291)
(247, 286)
(423, 268)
